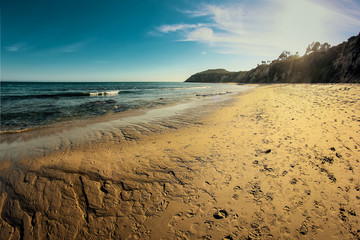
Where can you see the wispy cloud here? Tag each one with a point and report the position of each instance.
(66, 49)
(204, 34)
(266, 27)
(71, 48)
(177, 27)
(18, 47)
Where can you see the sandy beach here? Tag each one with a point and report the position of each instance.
(279, 162)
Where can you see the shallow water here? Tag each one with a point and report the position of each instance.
(84, 118)
(28, 105)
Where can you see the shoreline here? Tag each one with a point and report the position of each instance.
(78, 97)
(279, 162)
(38, 141)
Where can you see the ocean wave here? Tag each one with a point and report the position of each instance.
(55, 95)
(107, 93)
(186, 88)
(66, 95)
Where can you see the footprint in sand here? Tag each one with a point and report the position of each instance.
(237, 188)
(228, 178)
(209, 224)
(220, 214)
(293, 181)
(303, 229)
(229, 237)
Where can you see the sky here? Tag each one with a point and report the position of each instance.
(160, 40)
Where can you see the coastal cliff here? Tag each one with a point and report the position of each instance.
(338, 64)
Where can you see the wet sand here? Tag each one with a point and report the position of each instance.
(63, 136)
(279, 162)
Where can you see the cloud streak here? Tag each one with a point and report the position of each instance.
(268, 27)
(65, 49)
(177, 27)
(71, 48)
(18, 47)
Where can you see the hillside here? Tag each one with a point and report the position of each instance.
(338, 64)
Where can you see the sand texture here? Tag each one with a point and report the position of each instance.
(280, 162)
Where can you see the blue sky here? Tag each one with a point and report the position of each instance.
(162, 40)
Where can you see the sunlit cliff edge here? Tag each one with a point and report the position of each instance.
(338, 64)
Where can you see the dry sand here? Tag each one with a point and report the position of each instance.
(280, 162)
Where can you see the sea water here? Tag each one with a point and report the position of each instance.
(27, 105)
(39, 118)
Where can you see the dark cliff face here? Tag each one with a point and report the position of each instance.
(339, 64)
(214, 75)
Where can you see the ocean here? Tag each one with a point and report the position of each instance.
(26, 105)
(40, 118)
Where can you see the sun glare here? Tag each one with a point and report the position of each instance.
(301, 22)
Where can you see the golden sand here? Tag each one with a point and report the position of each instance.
(280, 162)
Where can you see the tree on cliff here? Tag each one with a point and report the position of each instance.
(317, 47)
(320, 64)
(287, 55)
(284, 55)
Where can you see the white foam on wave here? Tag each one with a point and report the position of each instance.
(198, 87)
(107, 93)
(186, 88)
